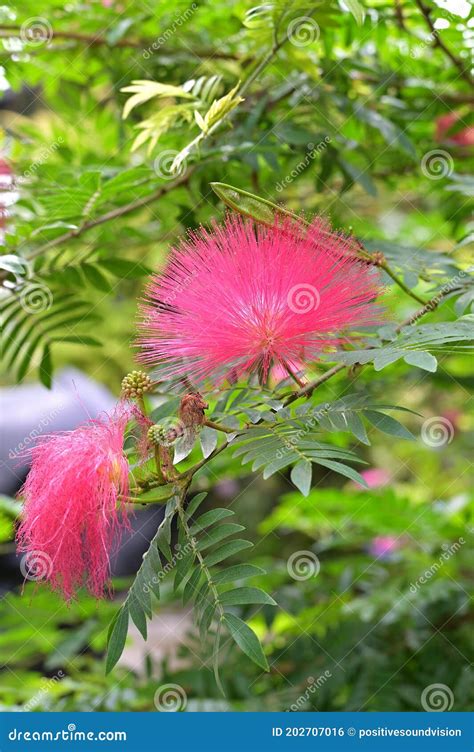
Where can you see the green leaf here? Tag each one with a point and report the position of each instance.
(237, 572)
(116, 639)
(423, 360)
(182, 568)
(301, 476)
(208, 440)
(218, 534)
(195, 503)
(357, 10)
(247, 640)
(190, 589)
(209, 518)
(46, 367)
(387, 424)
(228, 549)
(138, 615)
(246, 596)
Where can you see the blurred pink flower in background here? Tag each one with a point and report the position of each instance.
(74, 505)
(383, 545)
(446, 133)
(375, 477)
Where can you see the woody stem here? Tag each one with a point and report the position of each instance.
(293, 375)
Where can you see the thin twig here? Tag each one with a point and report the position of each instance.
(438, 42)
(112, 214)
(307, 390)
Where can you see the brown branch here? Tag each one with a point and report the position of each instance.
(112, 214)
(307, 390)
(96, 40)
(438, 42)
(93, 40)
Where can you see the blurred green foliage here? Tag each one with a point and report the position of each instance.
(345, 118)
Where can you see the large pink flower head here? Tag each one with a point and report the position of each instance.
(244, 296)
(74, 505)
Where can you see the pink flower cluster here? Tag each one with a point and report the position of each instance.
(74, 503)
(243, 297)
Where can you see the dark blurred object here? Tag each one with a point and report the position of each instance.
(30, 410)
(25, 101)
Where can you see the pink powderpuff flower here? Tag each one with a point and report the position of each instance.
(74, 505)
(243, 297)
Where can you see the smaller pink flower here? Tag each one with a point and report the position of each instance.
(375, 477)
(383, 545)
(75, 497)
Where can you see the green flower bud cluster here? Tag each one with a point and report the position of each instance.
(135, 384)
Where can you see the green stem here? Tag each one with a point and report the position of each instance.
(218, 426)
(293, 375)
(388, 270)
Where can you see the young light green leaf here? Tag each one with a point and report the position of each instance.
(301, 476)
(423, 360)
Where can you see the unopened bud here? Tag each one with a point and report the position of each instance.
(135, 384)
